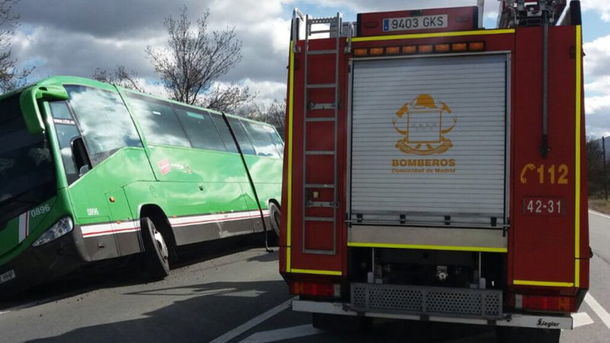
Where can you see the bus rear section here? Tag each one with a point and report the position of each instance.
(435, 171)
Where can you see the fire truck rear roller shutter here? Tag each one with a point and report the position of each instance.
(449, 160)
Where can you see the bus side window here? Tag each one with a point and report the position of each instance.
(279, 143)
(225, 134)
(200, 129)
(263, 144)
(158, 121)
(103, 120)
(66, 131)
(242, 136)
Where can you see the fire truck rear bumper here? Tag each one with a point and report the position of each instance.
(508, 319)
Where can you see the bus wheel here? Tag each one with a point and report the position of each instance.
(274, 217)
(156, 253)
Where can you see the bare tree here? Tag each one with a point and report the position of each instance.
(119, 77)
(273, 114)
(10, 76)
(229, 99)
(595, 166)
(194, 57)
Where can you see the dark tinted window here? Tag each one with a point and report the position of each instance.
(66, 131)
(27, 173)
(60, 110)
(158, 121)
(242, 136)
(103, 120)
(225, 135)
(200, 129)
(263, 140)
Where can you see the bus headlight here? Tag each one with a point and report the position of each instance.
(62, 227)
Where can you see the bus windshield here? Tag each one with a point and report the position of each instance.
(27, 176)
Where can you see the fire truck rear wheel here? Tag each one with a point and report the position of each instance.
(527, 335)
(334, 322)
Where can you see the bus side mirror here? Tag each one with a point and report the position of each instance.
(29, 104)
(80, 156)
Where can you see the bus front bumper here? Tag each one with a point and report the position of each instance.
(510, 319)
(39, 264)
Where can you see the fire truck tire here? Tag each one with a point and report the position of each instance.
(339, 323)
(527, 335)
(274, 218)
(156, 252)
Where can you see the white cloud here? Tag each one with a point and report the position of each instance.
(597, 86)
(600, 6)
(267, 91)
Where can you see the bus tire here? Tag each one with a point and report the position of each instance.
(156, 252)
(527, 335)
(274, 217)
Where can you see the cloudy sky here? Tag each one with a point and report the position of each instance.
(74, 37)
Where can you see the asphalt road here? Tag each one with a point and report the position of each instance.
(239, 297)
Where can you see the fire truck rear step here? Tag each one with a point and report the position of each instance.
(427, 300)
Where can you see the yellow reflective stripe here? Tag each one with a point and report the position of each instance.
(424, 247)
(316, 272)
(577, 157)
(542, 283)
(289, 176)
(433, 35)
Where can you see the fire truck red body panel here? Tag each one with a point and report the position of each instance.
(547, 251)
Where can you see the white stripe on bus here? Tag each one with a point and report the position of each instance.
(104, 229)
(23, 226)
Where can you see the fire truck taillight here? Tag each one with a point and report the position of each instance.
(418, 49)
(318, 289)
(545, 303)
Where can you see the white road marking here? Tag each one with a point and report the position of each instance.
(282, 334)
(229, 335)
(581, 319)
(3, 312)
(599, 214)
(598, 309)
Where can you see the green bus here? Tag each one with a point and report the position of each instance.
(91, 172)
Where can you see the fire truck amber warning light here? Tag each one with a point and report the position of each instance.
(419, 49)
(376, 51)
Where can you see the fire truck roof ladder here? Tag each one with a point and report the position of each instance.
(337, 30)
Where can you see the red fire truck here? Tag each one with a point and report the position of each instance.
(435, 170)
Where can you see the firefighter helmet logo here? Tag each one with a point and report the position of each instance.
(423, 123)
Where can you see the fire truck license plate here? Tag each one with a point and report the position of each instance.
(415, 23)
(543, 206)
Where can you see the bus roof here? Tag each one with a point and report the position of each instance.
(76, 80)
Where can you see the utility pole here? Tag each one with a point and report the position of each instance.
(605, 167)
